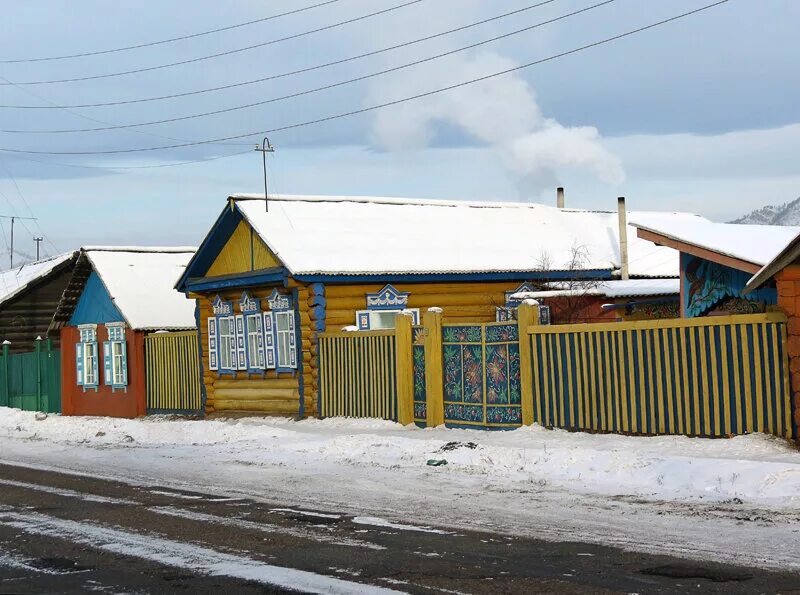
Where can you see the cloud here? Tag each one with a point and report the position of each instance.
(501, 112)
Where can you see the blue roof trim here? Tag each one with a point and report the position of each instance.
(210, 247)
(434, 277)
(262, 277)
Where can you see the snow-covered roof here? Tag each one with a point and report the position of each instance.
(141, 282)
(611, 289)
(756, 244)
(15, 281)
(789, 254)
(365, 235)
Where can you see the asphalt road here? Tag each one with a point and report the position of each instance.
(62, 533)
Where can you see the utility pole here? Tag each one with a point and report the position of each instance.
(38, 242)
(265, 148)
(14, 218)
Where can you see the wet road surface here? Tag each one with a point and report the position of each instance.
(63, 533)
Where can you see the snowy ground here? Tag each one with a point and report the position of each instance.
(734, 500)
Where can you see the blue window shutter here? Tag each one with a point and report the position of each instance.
(213, 341)
(108, 372)
(241, 343)
(292, 341)
(269, 340)
(79, 363)
(233, 350)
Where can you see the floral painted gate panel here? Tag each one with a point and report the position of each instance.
(420, 392)
(481, 375)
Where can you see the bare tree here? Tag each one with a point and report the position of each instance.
(577, 292)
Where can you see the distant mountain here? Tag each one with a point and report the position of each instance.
(785, 214)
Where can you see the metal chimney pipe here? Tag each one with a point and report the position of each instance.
(623, 236)
(560, 197)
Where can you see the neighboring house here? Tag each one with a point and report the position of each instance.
(606, 301)
(29, 296)
(117, 298)
(718, 261)
(266, 281)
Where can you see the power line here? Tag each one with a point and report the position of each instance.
(79, 115)
(381, 105)
(125, 167)
(289, 73)
(317, 89)
(220, 54)
(173, 39)
(27, 205)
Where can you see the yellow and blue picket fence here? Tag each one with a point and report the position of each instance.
(716, 376)
(172, 362)
(357, 374)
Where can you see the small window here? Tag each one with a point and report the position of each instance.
(255, 342)
(86, 367)
(90, 363)
(115, 357)
(382, 319)
(227, 343)
(284, 331)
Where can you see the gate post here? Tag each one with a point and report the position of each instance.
(434, 390)
(527, 315)
(404, 366)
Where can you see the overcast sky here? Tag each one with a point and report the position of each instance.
(700, 114)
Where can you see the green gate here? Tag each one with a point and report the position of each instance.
(31, 381)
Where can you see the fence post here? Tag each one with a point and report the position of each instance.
(38, 350)
(404, 365)
(434, 390)
(527, 315)
(5, 387)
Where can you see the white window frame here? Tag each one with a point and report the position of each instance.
(367, 320)
(226, 344)
(116, 350)
(253, 324)
(89, 375)
(285, 340)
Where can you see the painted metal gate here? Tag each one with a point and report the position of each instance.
(172, 362)
(716, 376)
(31, 381)
(481, 375)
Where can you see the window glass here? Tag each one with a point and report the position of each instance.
(283, 328)
(226, 343)
(253, 334)
(117, 361)
(89, 359)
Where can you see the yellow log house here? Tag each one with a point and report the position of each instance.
(268, 278)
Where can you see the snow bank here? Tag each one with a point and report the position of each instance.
(754, 469)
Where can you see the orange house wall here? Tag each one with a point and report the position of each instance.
(104, 401)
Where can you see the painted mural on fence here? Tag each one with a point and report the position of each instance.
(481, 375)
(707, 283)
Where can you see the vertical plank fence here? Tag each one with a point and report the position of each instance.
(31, 381)
(173, 373)
(716, 376)
(358, 374)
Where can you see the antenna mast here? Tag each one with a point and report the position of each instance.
(265, 148)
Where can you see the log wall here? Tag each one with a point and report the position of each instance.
(267, 393)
